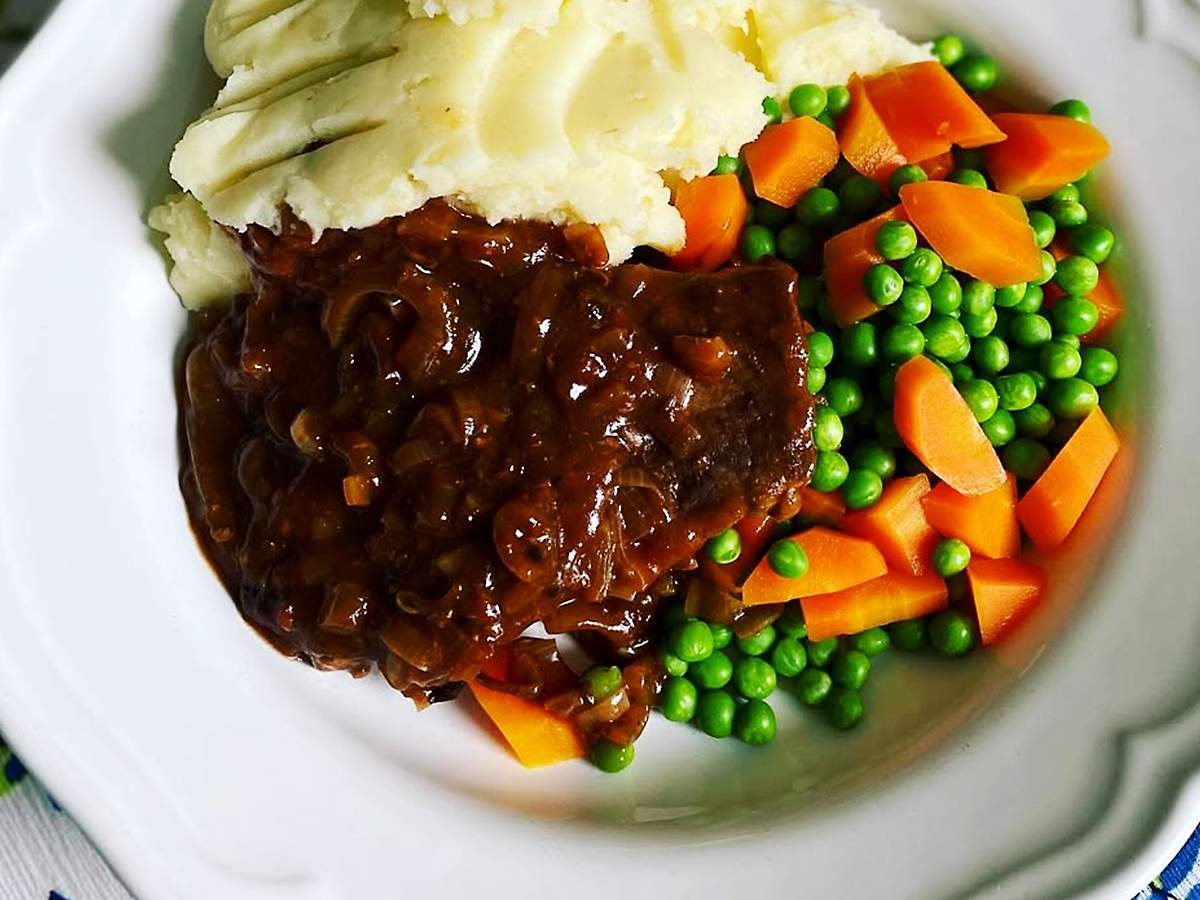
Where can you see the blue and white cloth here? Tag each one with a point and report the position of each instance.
(44, 855)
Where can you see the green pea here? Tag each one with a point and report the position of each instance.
(712, 673)
(758, 643)
(813, 686)
(788, 559)
(962, 373)
(896, 240)
(714, 713)
(1016, 392)
(612, 758)
(946, 294)
(951, 557)
(828, 430)
(725, 548)
(820, 349)
(678, 700)
(1072, 109)
(1032, 301)
(977, 73)
(754, 722)
(1075, 315)
(978, 297)
(1068, 213)
(1077, 275)
(1035, 422)
(1072, 398)
(883, 284)
(909, 635)
(1040, 380)
(1044, 228)
(1059, 361)
(816, 380)
(980, 326)
(875, 458)
(808, 100)
(859, 195)
(862, 489)
(850, 668)
(960, 354)
(1026, 458)
(951, 633)
(772, 110)
(857, 345)
(844, 396)
(901, 342)
(722, 637)
(758, 242)
(914, 306)
(1098, 366)
(754, 678)
(969, 177)
(943, 336)
(1010, 295)
(1030, 330)
(981, 396)
(1093, 241)
(818, 207)
(923, 267)
(1049, 270)
(602, 681)
(788, 657)
(791, 623)
(910, 174)
(991, 354)
(872, 642)
(671, 663)
(830, 471)
(837, 100)
(1000, 428)
(821, 652)
(691, 641)
(948, 49)
(844, 707)
(809, 292)
(1071, 340)
(1068, 193)
(795, 243)
(728, 165)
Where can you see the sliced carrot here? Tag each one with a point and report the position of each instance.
(787, 160)
(987, 523)
(896, 524)
(926, 111)
(939, 167)
(1108, 300)
(1051, 508)
(821, 507)
(864, 138)
(937, 425)
(835, 561)
(848, 255)
(1042, 153)
(979, 232)
(1004, 591)
(714, 210)
(755, 532)
(890, 598)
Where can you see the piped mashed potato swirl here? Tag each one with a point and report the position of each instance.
(352, 111)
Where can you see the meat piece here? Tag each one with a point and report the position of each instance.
(468, 429)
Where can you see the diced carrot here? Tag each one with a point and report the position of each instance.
(835, 561)
(1042, 153)
(939, 167)
(755, 532)
(896, 524)
(1049, 510)
(537, 737)
(889, 598)
(821, 507)
(1004, 591)
(1108, 301)
(787, 160)
(976, 231)
(848, 255)
(987, 523)
(937, 425)
(926, 111)
(865, 140)
(714, 210)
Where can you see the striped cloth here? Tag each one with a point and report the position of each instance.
(43, 854)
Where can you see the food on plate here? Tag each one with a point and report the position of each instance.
(734, 343)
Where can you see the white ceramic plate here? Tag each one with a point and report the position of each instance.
(206, 766)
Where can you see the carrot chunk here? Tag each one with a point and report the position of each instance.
(938, 167)
(1050, 509)
(537, 737)
(896, 524)
(979, 232)
(787, 160)
(926, 111)
(937, 425)
(987, 523)
(835, 561)
(755, 532)
(864, 138)
(889, 598)
(714, 210)
(821, 508)
(1004, 591)
(1042, 153)
(848, 255)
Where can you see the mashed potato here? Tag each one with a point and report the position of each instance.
(351, 111)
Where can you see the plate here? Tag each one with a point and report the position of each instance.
(204, 765)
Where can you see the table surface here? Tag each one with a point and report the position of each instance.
(44, 854)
